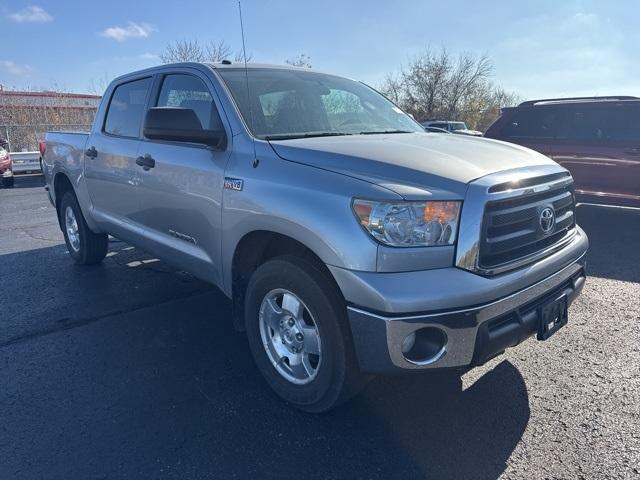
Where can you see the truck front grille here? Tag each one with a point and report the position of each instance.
(513, 228)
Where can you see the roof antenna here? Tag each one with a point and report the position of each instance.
(246, 76)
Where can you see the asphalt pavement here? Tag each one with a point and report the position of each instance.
(132, 370)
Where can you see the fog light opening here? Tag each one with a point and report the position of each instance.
(424, 346)
(408, 343)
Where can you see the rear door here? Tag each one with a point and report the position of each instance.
(532, 127)
(110, 159)
(600, 145)
(181, 195)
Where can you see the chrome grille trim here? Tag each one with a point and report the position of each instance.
(479, 194)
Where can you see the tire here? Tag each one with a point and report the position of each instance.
(8, 182)
(84, 246)
(336, 376)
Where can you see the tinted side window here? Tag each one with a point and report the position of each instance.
(586, 123)
(601, 123)
(533, 123)
(126, 108)
(625, 123)
(187, 91)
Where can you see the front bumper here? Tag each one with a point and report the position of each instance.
(472, 334)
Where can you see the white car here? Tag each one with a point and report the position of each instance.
(453, 127)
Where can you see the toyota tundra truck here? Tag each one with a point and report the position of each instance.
(350, 241)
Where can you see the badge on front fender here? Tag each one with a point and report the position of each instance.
(233, 183)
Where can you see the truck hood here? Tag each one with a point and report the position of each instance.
(414, 165)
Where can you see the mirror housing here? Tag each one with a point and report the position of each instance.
(180, 125)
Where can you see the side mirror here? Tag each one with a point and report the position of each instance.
(180, 125)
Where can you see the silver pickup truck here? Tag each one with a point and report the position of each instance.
(350, 241)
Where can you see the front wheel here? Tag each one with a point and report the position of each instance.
(298, 334)
(84, 246)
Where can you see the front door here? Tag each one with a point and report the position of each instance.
(532, 128)
(180, 197)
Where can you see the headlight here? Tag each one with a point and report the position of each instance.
(409, 224)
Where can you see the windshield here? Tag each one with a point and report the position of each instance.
(294, 104)
(458, 126)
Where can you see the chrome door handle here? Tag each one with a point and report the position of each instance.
(91, 152)
(147, 162)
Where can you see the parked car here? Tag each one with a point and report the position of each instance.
(6, 167)
(596, 138)
(26, 162)
(350, 241)
(452, 127)
(435, 130)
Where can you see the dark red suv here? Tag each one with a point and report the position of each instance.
(596, 138)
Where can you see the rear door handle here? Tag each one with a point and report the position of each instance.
(146, 162)
(91, 152)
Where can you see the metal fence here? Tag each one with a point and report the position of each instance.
(25, 138)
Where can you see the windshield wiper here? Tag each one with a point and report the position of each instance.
(386, 131)
(291, 136)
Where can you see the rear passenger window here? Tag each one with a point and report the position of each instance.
(625, 123)
(126, 108)
(601, 123)
(187, 91)
(534, 123)
(586, 124)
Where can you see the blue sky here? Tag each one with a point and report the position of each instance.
(543, 48)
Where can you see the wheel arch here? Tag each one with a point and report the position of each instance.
(62, 183)
(254, 249)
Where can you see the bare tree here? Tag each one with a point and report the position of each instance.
(194, 51)
(392, 87)
(97, 86)
(435, 85)
(424, 80)
(467, 77)
(216, 52)
(183, 51)
(302, 60)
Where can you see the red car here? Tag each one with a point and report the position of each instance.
(596, 138)
(6, 168)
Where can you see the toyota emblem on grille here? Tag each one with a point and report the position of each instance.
(547, 219)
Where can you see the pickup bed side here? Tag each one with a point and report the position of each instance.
(63, 168)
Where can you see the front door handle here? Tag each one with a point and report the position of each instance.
(91, 152)
(146, 162)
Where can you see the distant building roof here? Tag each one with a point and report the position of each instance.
(47, 98)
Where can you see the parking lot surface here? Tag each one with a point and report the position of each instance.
(132, 369)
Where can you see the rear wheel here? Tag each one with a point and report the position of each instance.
(298, 333)
(85, 246)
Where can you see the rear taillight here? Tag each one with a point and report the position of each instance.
(42, 146)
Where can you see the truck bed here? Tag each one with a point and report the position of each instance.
(64, 152)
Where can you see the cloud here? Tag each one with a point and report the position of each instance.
(31, 14)
(15, 69)
(132, 30)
